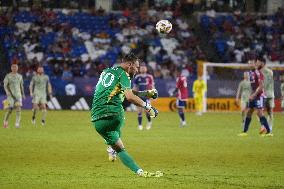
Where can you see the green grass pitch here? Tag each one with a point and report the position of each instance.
(68, 153)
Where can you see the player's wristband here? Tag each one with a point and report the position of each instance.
(147, 106)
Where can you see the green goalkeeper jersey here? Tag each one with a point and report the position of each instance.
(109, 93)
(245, 89)
(39, 84)
(13, 83)
(268, 82)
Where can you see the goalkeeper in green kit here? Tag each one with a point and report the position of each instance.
(107, 111)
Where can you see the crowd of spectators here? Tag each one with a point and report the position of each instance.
(81, 44)
(240, 36)
(72, 43)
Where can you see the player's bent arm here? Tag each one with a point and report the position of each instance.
(153, 93)
(238, 92)
(31, 88)
(49, 89)
(131, 97)
(6, 87)
(174, 92)
(258, 90)
(22, 88)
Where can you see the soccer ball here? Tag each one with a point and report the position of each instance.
(164, 26)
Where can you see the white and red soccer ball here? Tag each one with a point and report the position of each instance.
(164, 26)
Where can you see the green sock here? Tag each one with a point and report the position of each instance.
(128, 161)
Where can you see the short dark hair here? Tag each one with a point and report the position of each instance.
(260, 57)
(179, 69)
(130, 57)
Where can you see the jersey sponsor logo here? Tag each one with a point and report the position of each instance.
(213, 105)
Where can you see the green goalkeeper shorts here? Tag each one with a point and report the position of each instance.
(109, 128)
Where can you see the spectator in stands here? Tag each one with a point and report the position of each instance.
(67, 75)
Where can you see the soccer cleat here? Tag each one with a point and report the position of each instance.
(17, 125)
(262, 130)
(139, 172)
(147, 174)
(111, 154)
(182, 124)
(199, 113)
(5, 124)
(149, 125)
(140, 127)
(33, 121)
(267, 135)
(243, 134)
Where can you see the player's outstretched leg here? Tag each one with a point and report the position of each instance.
(129, 162)
(6, 117)
(125, 158)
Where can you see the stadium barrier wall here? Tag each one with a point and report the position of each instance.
(216, 88)
(163, 104)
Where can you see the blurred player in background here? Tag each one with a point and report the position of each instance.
(39, 88)
(269, 93)
(244, 91)
(198, 89)
(107, 111)
(256, 99)
(282, 91)
(14, 88)
(143, 82)
(181, 91)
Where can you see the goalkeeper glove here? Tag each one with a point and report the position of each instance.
(153, 112)
(152, 93)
